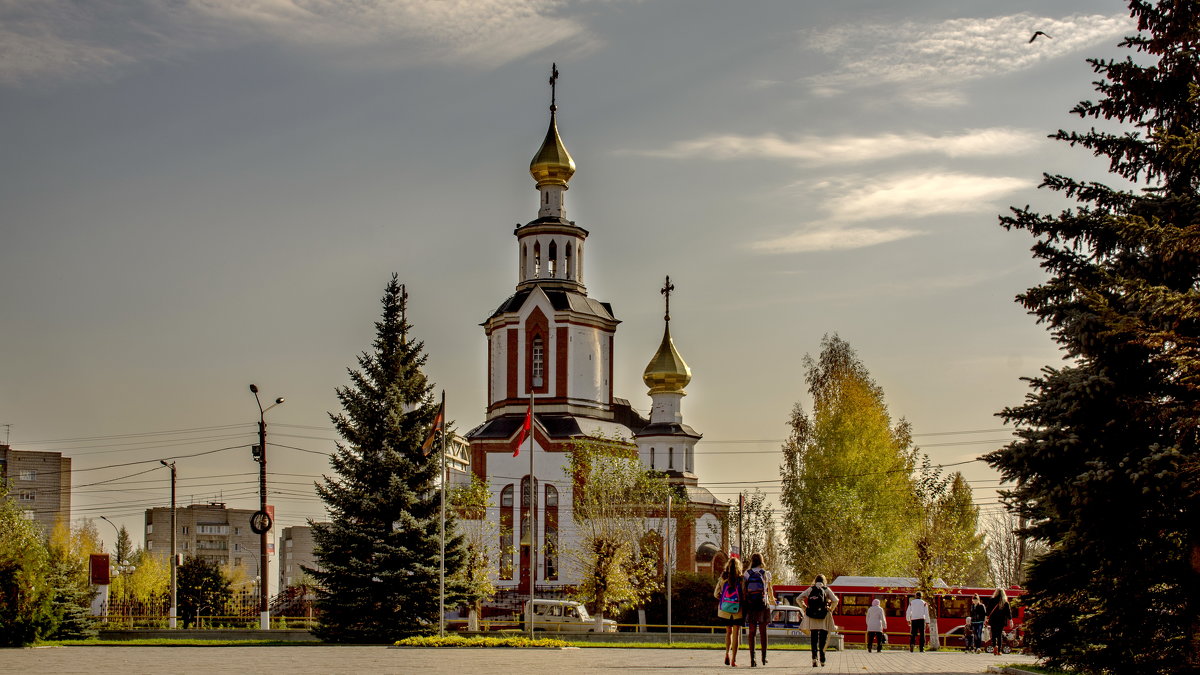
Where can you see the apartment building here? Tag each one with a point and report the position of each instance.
(40, 483)
(295, 550)
(210, 531)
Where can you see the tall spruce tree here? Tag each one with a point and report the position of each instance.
(1108, 442)
(379, 554)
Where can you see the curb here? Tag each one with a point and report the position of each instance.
(1010, 670)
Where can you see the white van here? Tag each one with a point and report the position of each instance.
(565, 616)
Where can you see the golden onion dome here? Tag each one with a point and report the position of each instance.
(552, 165)
(667, 373)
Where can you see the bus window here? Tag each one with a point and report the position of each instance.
(785, 618)
(853, 605)
(954, 606)
(893, 605)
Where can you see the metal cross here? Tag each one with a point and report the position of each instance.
(553, 84)
(666, 290)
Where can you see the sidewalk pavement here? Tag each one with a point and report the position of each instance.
(373, 660)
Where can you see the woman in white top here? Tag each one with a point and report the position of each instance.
(818, 627)
(876, 625)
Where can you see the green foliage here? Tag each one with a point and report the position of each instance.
(471, 502)
(202, 590)
(949, 545)
(481, 642)
(68, 558)
(615, 503)
(379, 554)
(849, 495)
(1107, 450)
(692, 603)
(26, 593)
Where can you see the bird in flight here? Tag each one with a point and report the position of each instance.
(1035, 36)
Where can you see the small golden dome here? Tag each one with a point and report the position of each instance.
(667, 373)
(552, 165)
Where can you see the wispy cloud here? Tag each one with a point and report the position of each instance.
(921, 195)
(927, 58)
(897, 197)
(832, 238)
(849, 149)
(53, 40)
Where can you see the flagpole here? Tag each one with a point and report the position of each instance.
(532, 515)
(442, 567)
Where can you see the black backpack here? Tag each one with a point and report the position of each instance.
(817, 606)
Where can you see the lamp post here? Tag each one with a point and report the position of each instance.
(261, 521)
(174, 556)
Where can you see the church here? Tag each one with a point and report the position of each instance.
(551, 349)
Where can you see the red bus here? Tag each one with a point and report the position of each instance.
(951, 605)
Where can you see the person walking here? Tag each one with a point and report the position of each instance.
(998, 619)
(818, 603)
(730, 592)
(978, 617)
(876, 624)
(760, 595)
(917, 614)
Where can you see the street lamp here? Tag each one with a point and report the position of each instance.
(260, 523)
(174, 556)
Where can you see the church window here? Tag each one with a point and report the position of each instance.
(524, 259)
(539, 361)
(552, 261)
(537, 259)
(670, 458)
(568, 271)
(551, 541)
(506, 533)
(651, 458)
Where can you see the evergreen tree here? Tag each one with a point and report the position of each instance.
(379, 554)
(1107, 444)
(849, 494)
(25, 592)
(202, 590)
(69, 552)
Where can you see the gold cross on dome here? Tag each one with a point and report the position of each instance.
(553, 84)
(666, 291)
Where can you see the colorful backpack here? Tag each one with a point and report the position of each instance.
(731, 600)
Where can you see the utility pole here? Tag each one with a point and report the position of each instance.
(174, 556)
(260, 522)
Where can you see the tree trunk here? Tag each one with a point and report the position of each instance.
(473, 620)
(599, 622)
(933, 633)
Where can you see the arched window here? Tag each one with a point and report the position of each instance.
(537, 259)
(539, 363)
(568, 270)
(524, 260)
(552, 261)
(551, 545)
(651, 457)
(670, 458)
(506, 533)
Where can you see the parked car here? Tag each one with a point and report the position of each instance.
(565, 616)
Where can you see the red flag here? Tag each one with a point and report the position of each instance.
(438, 420)
(523, 432)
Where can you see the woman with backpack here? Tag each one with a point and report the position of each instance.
(818, 603)
(760, 595)
(729, 592)
(999, 618)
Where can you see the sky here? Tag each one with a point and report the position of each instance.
(196, 195)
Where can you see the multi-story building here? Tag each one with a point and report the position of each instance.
(40, 483)
(209, 531)
(295, 550)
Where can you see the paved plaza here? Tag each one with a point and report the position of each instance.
(375, 660)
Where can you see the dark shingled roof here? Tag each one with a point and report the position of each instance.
(668, 429)
(560, 300)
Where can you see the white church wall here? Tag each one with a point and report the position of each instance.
(708, 530)
(587, 350)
